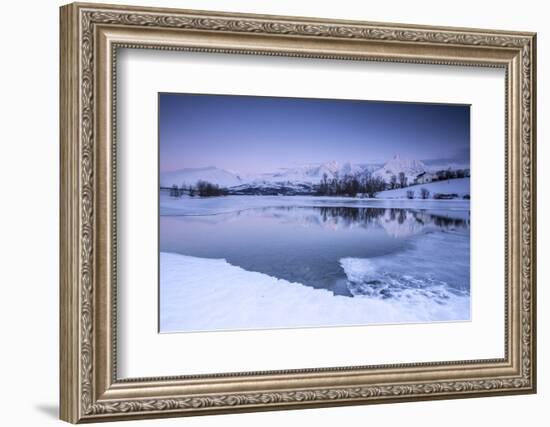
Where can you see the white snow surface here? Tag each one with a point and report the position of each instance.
(460, 186)
(198, 294)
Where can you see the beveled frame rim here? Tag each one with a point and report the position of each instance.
(90, 37)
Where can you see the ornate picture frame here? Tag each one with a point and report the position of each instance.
(90, 37)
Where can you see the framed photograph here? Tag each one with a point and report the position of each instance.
(265, 212)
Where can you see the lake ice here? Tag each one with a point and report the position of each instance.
(278, 262)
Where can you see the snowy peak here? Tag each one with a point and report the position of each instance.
(397, 165)
(331, 166)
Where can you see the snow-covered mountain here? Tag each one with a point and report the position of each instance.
(299, 179)
(299, 175)
(411, 169)
(311, 174)
(191, 176)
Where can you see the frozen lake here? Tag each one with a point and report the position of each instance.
(380, 252)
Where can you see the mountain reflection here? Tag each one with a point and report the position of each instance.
(396, 222)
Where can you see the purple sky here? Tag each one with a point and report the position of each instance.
(251, 134)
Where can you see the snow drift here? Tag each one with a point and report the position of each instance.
(199, 294)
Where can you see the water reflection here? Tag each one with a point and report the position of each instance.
(305, 244)
(408, 219)
(395, 221)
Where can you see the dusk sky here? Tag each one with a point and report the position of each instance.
(250, 134)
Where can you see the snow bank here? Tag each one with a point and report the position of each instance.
(198, 294)
(460, 186)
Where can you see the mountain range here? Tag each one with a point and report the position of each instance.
(299, 177)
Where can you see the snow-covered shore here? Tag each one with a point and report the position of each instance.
(459, 186)
(199, 294)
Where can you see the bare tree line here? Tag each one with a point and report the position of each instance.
(202, 189)
(350, 185)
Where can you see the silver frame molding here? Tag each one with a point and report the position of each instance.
(90, 37)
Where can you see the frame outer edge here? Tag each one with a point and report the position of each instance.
(77, 226)
(533, 206)
(305, 19)
(69, 354)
